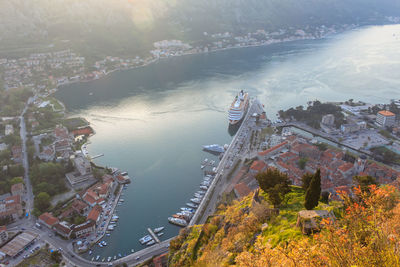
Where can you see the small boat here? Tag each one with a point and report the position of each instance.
(160, 234)
(121, 200)
(132, 250)
(115, 257)
(145, 239)
(159, 229)
(195, 200)
(214, 148)
(90, 252)
(177, 221)
(97, 257)
(198, 195)
(115, 217)
(187, 209)
(109, 259)
(108, 234)
(100, 245)
(103, 259)
(92, 259)
(124, 173)
(205, 161)
(203, 187)
(152, 242)
(202, 166)
(90, 93)
(119, 255)
(191, 205)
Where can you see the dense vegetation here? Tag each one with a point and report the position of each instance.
(13, 101)
(247, 233)
(313, 114)
(48, 179)
(10, 176)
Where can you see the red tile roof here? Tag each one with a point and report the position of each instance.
(346, 167)
(272, 149)
(258, 166)
(242, 189)
(386, 113)
(95, 213)
(48, 219)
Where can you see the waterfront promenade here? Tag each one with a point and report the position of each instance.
(218, 185)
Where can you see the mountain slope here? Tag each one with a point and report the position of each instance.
(131, 26)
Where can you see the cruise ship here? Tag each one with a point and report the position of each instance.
(238, 108)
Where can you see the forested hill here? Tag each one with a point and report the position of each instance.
(131, 26)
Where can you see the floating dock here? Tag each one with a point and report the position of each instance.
(154, 236)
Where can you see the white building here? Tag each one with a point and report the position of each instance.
(328, 119)
(385, 118)
(9, 129)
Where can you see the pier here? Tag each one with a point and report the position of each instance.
(209, 201)
(97, 156)
(154, 236)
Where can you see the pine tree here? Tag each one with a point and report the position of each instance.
(306, 180)
(313, 192)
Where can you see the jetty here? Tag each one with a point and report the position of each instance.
(154, 236)
(97, 156)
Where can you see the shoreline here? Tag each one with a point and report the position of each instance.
(155, 60)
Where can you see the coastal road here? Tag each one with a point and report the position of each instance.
(25, 163)
(210, 200)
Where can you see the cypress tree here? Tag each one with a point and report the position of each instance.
(313, 192)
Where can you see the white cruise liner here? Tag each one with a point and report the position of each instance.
(238, 108)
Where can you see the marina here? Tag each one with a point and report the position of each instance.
(169, 156)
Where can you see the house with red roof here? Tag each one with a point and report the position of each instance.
(17, 189)
(241, 190)
(48, 220)
(95, 213)
(63, 229)
(273, 150)
(257, 166)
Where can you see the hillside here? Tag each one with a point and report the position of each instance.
(126, 27)
(247, 233)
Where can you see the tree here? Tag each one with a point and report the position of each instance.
(364, 182)
(16, 180)
(56, 256)
(42, 201)
(302, 163)
(313, 192)
(275, 183)
(306, 180)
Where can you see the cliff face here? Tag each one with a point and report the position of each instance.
(122, 24)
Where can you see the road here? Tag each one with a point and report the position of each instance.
(25, 163)
(236, 150)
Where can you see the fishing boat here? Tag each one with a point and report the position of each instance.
(159, 229)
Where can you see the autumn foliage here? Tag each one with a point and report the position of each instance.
(365, 233)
